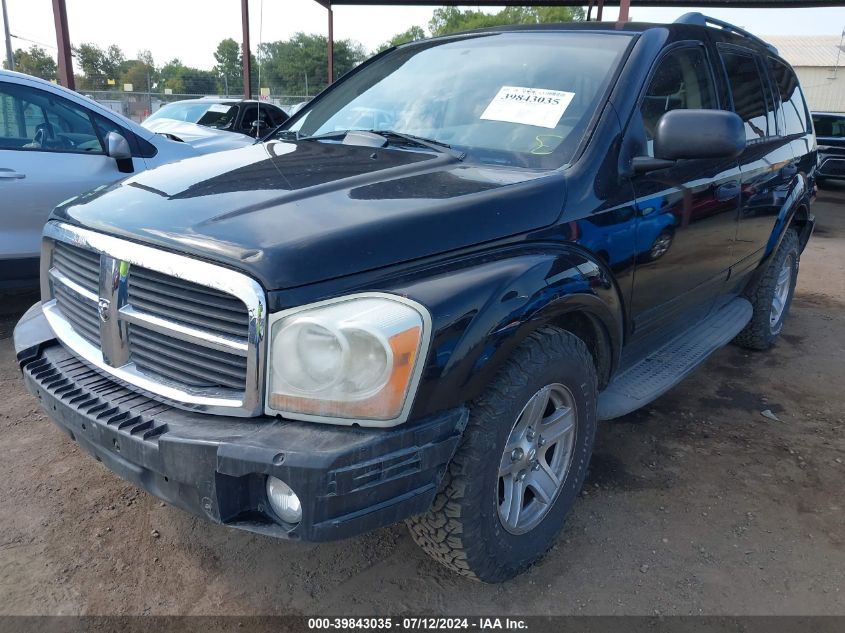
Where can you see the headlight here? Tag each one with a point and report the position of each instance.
(353, 359)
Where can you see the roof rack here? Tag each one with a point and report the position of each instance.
(699, 19)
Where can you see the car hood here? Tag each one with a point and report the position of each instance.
(202, 138)
(290, 213)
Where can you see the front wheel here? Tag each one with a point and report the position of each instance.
(771, 296)
(520, 465)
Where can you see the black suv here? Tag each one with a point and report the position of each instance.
(830, 131)
(416, 300)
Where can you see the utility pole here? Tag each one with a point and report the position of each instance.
(63, 44)
(10, 58)
(247, 57)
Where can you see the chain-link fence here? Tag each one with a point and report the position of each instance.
(139, 105)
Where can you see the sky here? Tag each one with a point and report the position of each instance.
(191, 29)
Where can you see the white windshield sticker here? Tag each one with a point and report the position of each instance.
(219, 107)
(528, 106)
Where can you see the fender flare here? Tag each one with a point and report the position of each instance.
(796, 207)
(495, 303)
(796, 202)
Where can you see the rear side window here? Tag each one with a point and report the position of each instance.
(794, 108)
(749, 95)
(682, 81)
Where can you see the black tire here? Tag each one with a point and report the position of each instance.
(462, 530)
(761, 332)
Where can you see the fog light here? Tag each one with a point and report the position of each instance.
(283, 500)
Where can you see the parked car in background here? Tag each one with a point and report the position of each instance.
(296, 107)
(339, 328)
(253, 118)
(830, 133)
(56, 144)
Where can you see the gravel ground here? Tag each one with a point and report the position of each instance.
(698, 504)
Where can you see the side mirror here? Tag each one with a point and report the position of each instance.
(117, 147)
(694, 134)
(259, 126)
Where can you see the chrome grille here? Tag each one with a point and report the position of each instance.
(182, 329)
(191, 364)
(81, 314)
(80, 271)
(79, 265)
(187, 303)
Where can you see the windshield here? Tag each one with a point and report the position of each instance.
(521, 98)
(217, 115)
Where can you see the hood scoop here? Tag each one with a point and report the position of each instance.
(364, 139)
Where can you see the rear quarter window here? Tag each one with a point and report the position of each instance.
(792, 100)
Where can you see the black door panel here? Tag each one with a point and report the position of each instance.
(689, 211)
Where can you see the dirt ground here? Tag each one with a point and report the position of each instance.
(698, 504)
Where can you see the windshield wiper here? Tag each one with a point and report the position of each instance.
(430, 143)
(392, 137)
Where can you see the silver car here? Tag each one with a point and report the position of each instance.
(56, 144)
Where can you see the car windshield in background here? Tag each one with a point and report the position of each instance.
(217, 115)
(521, 99)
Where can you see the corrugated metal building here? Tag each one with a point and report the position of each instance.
(819, 61)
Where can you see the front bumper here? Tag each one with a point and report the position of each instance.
(349, 480)
(831, 167)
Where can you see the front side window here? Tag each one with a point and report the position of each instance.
(32, 119)
(681, 81)
(749, 95)
(250, 117)
(792, 101)
(521, 99)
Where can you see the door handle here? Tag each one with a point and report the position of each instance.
(728, 191)
(11, 174)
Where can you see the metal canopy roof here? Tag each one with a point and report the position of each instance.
(66, 67)
(760, 4)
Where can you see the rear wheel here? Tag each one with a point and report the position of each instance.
(520, 465)
(661, 245)
(771, 296)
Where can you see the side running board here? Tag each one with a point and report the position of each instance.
(661, 370)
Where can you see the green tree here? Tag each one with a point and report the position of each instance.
(229, 65)
(113, 62)
(141, 73)
(289, 66)
(99, 67)
(452, 20)
(183, 79)
(35, 62)
(413, 33)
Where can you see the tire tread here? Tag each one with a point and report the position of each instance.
(448, 531)
(757, 334)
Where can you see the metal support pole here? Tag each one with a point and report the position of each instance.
(63, 43)
(10, 58)
(331, 44)
(624, 6)
(247, 58)
(599, 10)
